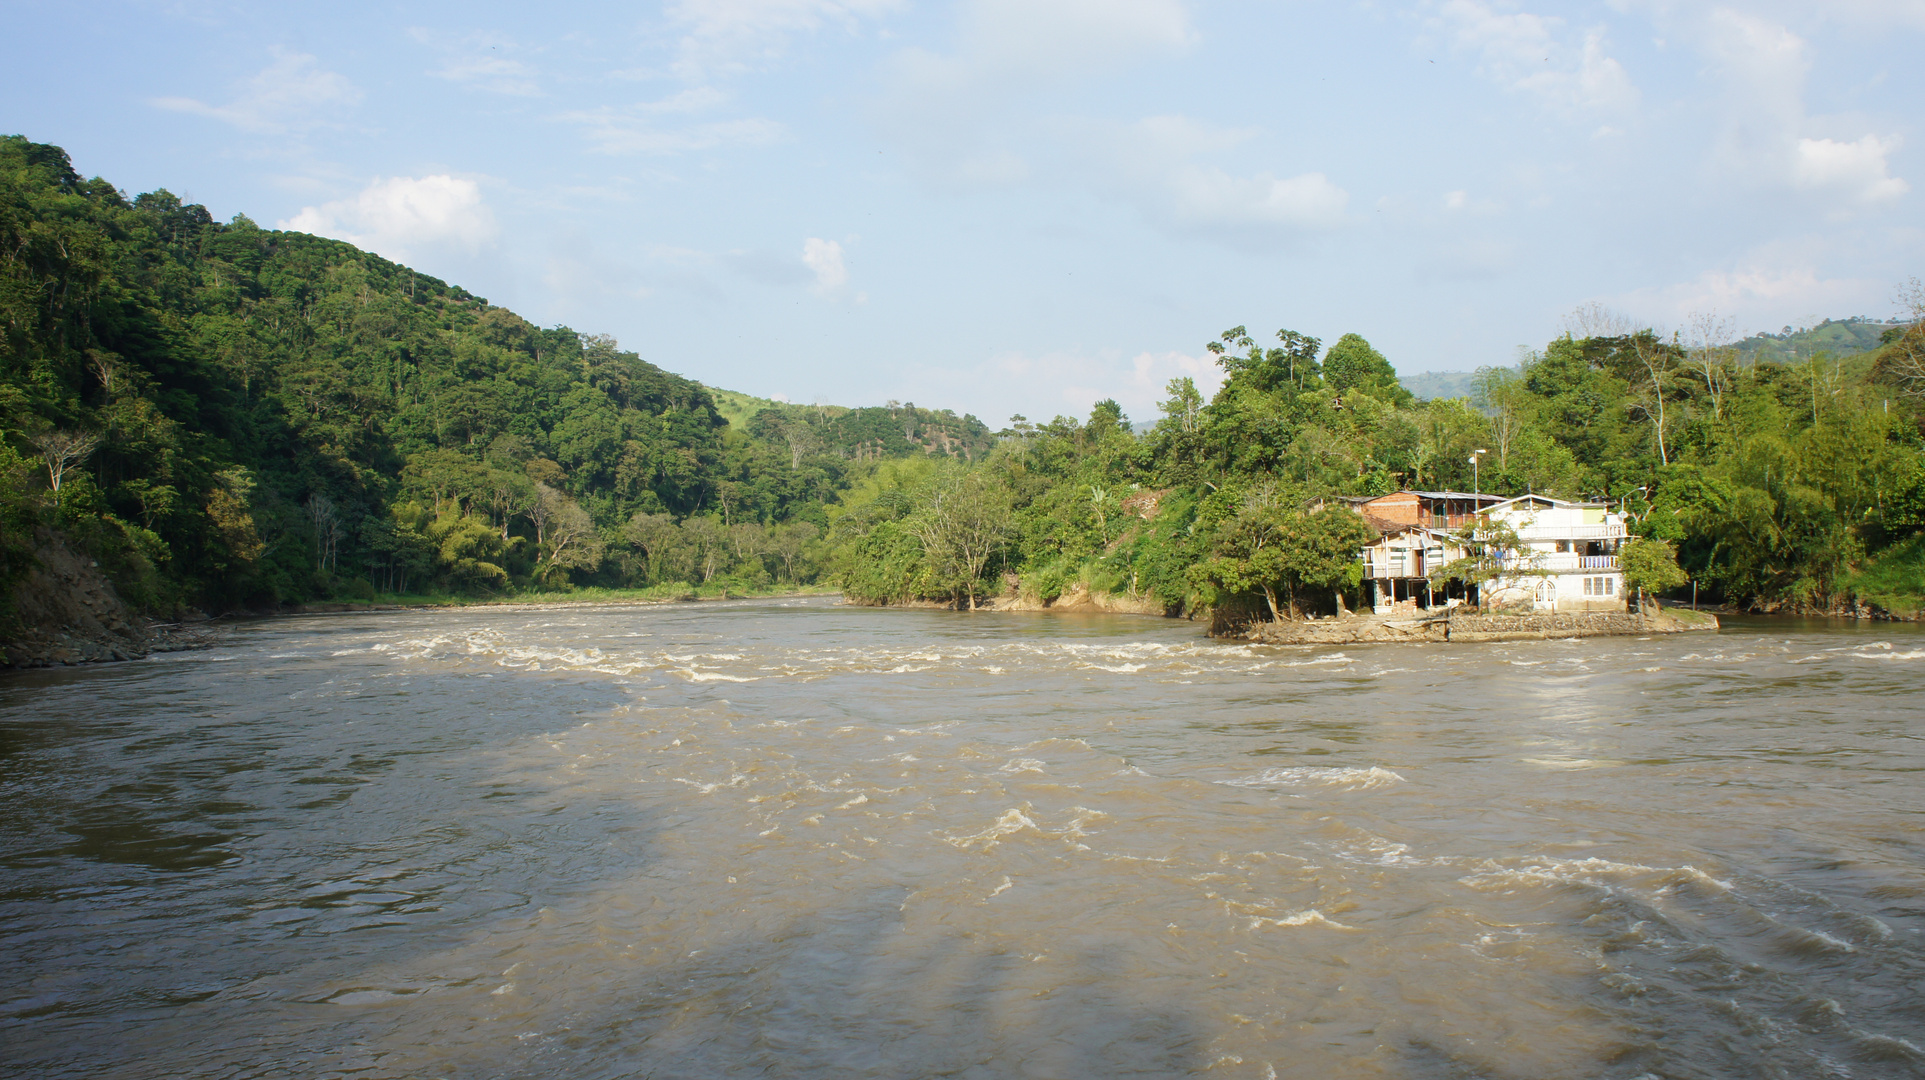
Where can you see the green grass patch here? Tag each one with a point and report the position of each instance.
(1894, 579)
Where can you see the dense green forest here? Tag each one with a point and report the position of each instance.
(227, 416)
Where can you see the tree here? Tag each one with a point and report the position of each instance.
(233, 521)
(1246, 553)
(1295, 362)
(710, 541)
(963, 520)
(1650, 566)
(1492, 550)
(788, 541)
(1711, 357)
(1183, 403)
(62, 451)
(1351, 363)
(327, 530)
(1501, 394)
(1323, 551)
(1903, 359)
(651, 534)
(1657, 358)
(565, 537)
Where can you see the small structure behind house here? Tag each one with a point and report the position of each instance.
(1414, 539)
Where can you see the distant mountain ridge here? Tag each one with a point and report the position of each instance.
(1439, 384)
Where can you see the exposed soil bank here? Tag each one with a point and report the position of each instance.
(1452, 626)
(67, 612)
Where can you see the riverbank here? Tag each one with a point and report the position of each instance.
(1456, 625)
(656, 594)
(67, 612)
(1078, 597)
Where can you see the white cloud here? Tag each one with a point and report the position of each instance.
(1150, 373)
(824, 260)
(404, 215)
(663, 127)
(1205, 195)
(1764, 67)
(1525, 52)
(1857, 167)
(481, 60)
(1152, 165)
(730, 35)
(1764, 294)
(956, 115)
(1051, 37)
(496, 73)
(293, 93)
(1071, 381)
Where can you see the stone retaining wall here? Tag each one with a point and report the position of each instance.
(1540, 627)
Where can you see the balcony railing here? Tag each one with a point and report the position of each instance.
(1572, 532)
(1556, 561)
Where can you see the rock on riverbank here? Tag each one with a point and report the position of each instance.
(1452, 626)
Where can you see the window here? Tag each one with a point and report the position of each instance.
(1600, 586)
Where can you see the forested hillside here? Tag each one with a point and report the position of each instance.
(228, 416)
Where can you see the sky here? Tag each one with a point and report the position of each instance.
(1003, 206)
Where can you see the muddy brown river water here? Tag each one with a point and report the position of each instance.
(794, 839)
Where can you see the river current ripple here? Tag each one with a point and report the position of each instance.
(789, 838)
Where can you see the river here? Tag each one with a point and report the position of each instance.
(795, 839)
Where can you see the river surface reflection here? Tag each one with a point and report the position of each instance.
(789, 838)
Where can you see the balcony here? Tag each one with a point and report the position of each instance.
(1572, 532)
(1559, 562)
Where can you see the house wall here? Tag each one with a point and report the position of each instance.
(1563, 592)
(1398, 506)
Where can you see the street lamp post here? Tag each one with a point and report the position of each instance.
(1476, 485)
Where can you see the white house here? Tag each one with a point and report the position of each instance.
(1567, 558)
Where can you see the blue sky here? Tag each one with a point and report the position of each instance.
(1006, 206)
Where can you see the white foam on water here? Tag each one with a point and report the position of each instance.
(1348, 779)
(1333, 658)
(1553, 871)
(1012, 821)
(1377, 851)
(713, 676)
(1308, 917)
(1572, 763)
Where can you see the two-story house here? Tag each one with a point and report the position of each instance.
(1566, 558)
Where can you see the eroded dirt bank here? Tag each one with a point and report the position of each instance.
(68, 613)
